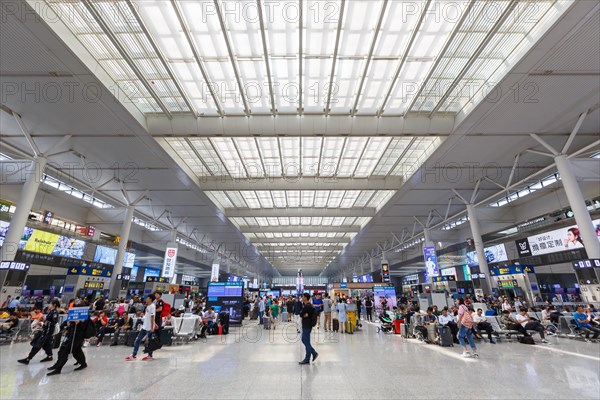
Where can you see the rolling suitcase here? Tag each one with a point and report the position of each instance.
(336, 325)
(445, 335)
(267, 323)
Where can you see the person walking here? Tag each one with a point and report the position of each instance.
(358, 308)
(44, 339)
(298, 305)
(309, 320)
(77, 332)
(327, 312)
(465, 325)
(369, 308)
(148, 328)
(342, 316)
(261, 311)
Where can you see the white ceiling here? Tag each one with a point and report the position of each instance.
(114, 132)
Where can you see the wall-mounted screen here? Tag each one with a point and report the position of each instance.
(67, 247)
(105, 255)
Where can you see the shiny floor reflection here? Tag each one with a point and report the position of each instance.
(256, 364)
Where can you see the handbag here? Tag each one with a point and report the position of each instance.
(153, 343)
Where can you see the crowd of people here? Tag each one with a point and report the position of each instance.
(144, 318)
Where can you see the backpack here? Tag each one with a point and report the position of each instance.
(166, 310)
(313, 317)
(526, 340)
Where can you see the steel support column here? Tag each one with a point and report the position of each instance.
(124, 238)
(476, 234)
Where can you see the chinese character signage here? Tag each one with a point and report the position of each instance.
(512, 270)
(5, 206)
(594, 263)
(385, 271)
(567, 238)
(89, 271)
(214, 275)
(168, 270)
(78, 314)
(446, 278)
(93, 285)
(157, 279)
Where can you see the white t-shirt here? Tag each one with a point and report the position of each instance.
(149, 317)
(477, 319)
(445, 319)
(520, 318)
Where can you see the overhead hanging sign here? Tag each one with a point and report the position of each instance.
(168, 270)
(78, 314)
(385, 271)
(89, 271)
(493, 254)
(214, 275)
(430, 261)
(567, 238)
(14, 266)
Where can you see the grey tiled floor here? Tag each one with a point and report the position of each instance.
(365, 365)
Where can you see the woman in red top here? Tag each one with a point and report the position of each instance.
(465, 323)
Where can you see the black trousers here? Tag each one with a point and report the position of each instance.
(485, 327)
(518, 328)
(65, 349)
(370, 314)
(454, 329)
(103, 331)
(47, 346)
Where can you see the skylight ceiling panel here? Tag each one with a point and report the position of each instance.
(293, 197)
(250, 156)
(237, 199)
(327, 221)
(279, 198)
(380, 198)
(375, 86)
(250, 198)
(255, 83)
(284, 221)
(238, 221)
(321, 197)
(306, 220)
(335, 198)
(311, 150)
(209, 156)
(362, 199)
(193, 84)
(351, 220)
(373, 152)
(307, 199)
(264, 197)
(390, 156)
(290, 151)
(269, 149)
(225, 85)
(227, 152)
(395, 31)
(262, 221)
(273, 221)
(317, 220)
(250, 221)
(332, 149)
(348, 201)
(320, 24)
(286, 89)
(348, 72)
(218, 200)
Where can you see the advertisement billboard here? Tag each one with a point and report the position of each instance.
(41, 242)
(67, 247)
(430, 261)
(105, 255)
(384, 294)
(229, 297)
(567, 238)
(168, 270)
(493, 254)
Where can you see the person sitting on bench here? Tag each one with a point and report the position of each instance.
(482, 325)
(511, 324)
(530, 324)
(583, 319)
(449, 320)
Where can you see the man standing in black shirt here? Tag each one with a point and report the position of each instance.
(309, 319)
(159, 303)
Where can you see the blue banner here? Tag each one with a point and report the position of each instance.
(78, 314)
(512, 270)
(448, 278)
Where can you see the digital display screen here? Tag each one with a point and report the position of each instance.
(70, 248)
(228, 297)
(225, 290)
(384, 292)
(105, 255)
(150, 272)
(41, 242)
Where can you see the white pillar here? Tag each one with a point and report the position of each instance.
(476, 233)
(577, 203)
(21, 215)
(123, 239)
(426, 236)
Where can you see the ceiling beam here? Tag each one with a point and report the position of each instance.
(299, 183)
(300, 212)
(304, 125)
(299, 240)
(300, 229)
(335, 56)
(263, 35)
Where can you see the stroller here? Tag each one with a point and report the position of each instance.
(385, 324)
